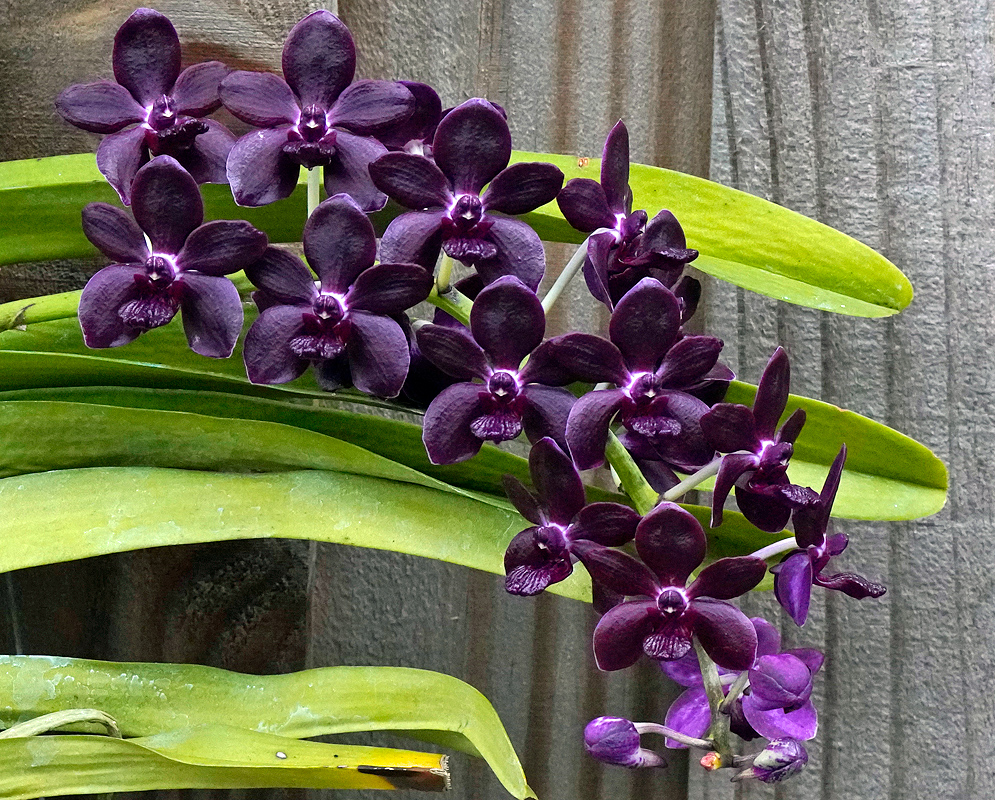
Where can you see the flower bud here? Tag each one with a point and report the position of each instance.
(614, 740)
(777, 762)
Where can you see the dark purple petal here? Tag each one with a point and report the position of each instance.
(689, 361)
(390, 288)
(446, 427)
(731, 469)
(725, 632)
(212, 314)
(615, 169)
(728, 578)
(421, 124)
(519, 253)
(670, 542)
(260, 98)
(101, 107)
(556, 481)
(166, 203)
(665, 235)
(258, 170)
(333, 374)
(102, 297)
(608, 524)
(811, 522)
(114, 233)
(546, 412)
(809, 656)
(531, 565)
(850, 584)
(801, 723)
(793, 585)
(645, 325)
(196, 92)
(319, 59)
(576, 357)
(618, 638)
(523, 500)
(730, 427)
(367, 107)
(378, 354)
(587, 427)
(452, 351)
(582, 201)
(472, 144)
(688, 714)
(146, 55)
(118, 158)
(413, 181)
(772, 394)
(507, 321)
(413, 238)
(267, 353)
(687, 449)
(523, 187)
(658, 475)
(349, 172)
(765, 511)
(599, 252)
(836, 543)
(207, 158)
(616, 569)
(283, 276)
(768, 638)
(339, 243)
(222, 247)
(780, 681)
(684, 670)
(792, 426)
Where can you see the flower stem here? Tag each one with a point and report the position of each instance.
(689, 483)
(564, 278)
(735, 691)
(776, 548)
(630, 476)
(314, 176)
(719, 730)
(677, 736)
(445, 275)
(59, 719)
(453, 302)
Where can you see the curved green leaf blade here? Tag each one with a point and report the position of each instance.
(205, 757)
(743, 239)
(145, 699)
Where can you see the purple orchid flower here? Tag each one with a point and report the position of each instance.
(779, 760)
(471, 148)
(416, 133)
(614, 740)
(543, 555)
(653, 368)
(672, 544)
(183, 269)
(776, 704)
(316, 117)
(166, 104)
(758, 453)
(507, 324)
(625, 248)
(800, 569)
(342, 323)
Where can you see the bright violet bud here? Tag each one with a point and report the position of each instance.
(780, 760)
(614, 740)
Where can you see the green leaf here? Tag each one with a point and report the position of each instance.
(888, 476)
(742, 239)
(148, 699)
(206, 756)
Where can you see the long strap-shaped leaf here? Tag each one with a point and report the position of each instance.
(205, 757)
(743, 239)
(145, 699)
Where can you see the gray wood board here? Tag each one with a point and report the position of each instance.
(877, 119)
(566, 70)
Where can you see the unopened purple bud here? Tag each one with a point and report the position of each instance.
(778, 761)
(614, 740)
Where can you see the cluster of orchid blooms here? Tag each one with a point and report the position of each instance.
(488, 375)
